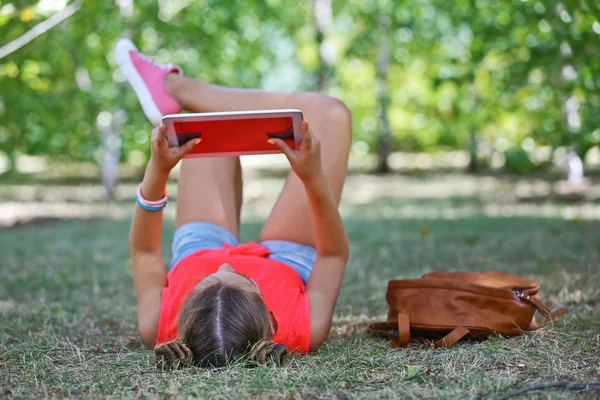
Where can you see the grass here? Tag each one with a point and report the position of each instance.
(68, 311)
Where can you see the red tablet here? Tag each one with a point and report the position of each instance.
(234, 133)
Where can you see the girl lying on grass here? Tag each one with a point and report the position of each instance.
(222, 300)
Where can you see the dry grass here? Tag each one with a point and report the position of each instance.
(67, 307)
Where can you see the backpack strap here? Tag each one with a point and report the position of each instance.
(457, 333)
(403, 331)
(404, 334)
(449, 340)
(550, 316)
(554, 315)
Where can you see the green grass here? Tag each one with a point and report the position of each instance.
(68, 311)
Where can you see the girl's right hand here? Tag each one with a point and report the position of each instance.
(306, 162)
(163, 157)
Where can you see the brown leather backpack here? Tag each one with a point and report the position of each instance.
(450, 306)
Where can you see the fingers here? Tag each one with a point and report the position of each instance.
(306, 135)
(162, 131)
(186, 148)
(159, 132)
(289, 153)
(159, 137)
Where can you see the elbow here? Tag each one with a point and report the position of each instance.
(319, 336)
(316, 344)
(149, 341)
(148, 334)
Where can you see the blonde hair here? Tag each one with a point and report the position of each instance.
(218, 325)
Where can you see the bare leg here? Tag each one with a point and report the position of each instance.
(239, 189)
(210, 189)
(199, 96)
(207, 192)
(289, 220)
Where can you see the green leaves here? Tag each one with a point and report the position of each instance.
(413, 370)
(502, 70)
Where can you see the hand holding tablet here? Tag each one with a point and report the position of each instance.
(234, 133)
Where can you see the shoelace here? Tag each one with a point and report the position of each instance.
(154, 63)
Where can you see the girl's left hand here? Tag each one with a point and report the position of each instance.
(163, 156)
(306, 161)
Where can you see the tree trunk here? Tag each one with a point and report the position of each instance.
(111, 152)
(110, 161)
(321, 79)
(574, 167)
(14, 133)
(476, 57)
(473, 150)
(473, 166)
(12, 161)
(323, 19)
(383, 57)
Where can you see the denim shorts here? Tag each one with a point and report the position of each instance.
(194, 236)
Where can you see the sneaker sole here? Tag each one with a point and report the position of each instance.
(122, 49)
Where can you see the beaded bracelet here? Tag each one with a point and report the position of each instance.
(150, 205)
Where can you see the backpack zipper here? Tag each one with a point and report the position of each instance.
(521, 295)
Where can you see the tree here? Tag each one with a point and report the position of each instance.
(418, 75)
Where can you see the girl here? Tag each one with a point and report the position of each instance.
(222, 300)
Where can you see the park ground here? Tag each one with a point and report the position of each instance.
(68, 310)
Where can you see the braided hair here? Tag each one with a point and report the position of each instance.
(266, 352)
(173, 355)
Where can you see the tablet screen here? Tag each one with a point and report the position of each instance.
(235, 135)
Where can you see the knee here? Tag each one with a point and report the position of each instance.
(336, 114)
(339, 112)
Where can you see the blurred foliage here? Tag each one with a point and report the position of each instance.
(521, 75)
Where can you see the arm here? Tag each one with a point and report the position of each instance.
(331, 243)
(149, 275)
(330, 237)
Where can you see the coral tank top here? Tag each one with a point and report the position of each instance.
(280, 286)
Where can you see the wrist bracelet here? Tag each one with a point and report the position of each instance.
(150, 205)
(147, 207)
(151, 202)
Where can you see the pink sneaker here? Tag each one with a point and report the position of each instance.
(147, 78)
